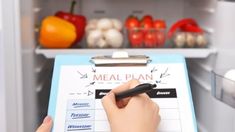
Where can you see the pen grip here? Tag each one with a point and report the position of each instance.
(142, 88)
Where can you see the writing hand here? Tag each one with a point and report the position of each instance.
(135, 114)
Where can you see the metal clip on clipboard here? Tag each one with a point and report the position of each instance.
(121, 58)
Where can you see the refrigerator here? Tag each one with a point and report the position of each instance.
(26, 68)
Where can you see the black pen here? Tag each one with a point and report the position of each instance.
(142, 88)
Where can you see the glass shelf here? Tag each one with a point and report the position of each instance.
(187, 52)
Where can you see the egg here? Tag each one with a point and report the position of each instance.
(179, 40)
(229, 82)
(190, 40)
(201, 40)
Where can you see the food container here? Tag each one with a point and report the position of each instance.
(104, 33)
(189, 40)
(146, 38)
(223, 88)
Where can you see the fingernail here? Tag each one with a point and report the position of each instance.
(46, 120)
(110, 93)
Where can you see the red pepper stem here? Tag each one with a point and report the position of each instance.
(72, 6)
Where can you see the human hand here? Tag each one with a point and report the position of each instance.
(135, 114)
(46, 125)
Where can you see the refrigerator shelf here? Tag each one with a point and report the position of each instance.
(187, 52)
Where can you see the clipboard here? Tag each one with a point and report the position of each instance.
(79, 82)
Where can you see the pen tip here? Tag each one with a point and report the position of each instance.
(154, 85)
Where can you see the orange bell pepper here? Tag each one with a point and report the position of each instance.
(57, 33)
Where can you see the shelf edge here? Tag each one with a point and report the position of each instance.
(188, 53)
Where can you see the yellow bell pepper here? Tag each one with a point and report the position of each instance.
(56, 33)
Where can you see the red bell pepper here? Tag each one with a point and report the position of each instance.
(181, 23)
(79, 21)
(191, 28)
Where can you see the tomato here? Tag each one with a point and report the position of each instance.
(132, 22)
(150, 39)
(147, 18)
(161, 38)
(136, 38)
(147, 22)
(147, 25)
(159, 24)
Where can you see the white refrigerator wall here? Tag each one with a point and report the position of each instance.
(217, 17)
(2, 79)
(32, 64)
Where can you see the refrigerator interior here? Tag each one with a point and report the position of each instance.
(214, 16)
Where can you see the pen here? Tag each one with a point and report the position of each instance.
(142, 88)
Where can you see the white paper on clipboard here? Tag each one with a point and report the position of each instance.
(78, 86)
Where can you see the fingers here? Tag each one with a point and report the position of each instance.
(109, 104)
(158, 119)
(137, 101)
(156, 116)
(46, 125)
(128, 85)
(156, 107)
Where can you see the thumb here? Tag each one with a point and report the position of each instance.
(109, 104)
(46, 125)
